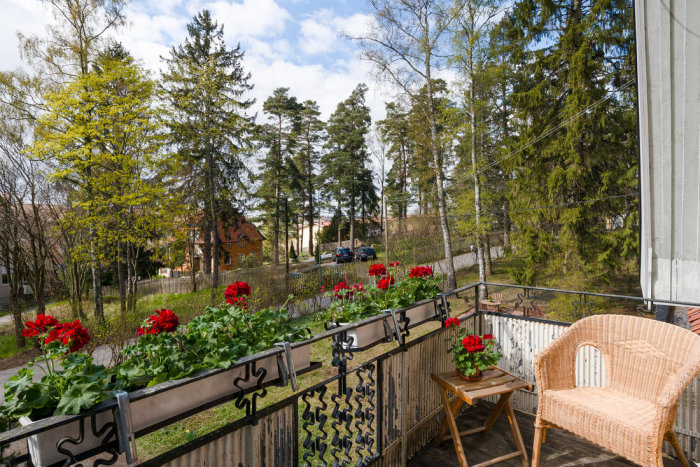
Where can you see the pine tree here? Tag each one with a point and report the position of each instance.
(394, 129)
(279, 177)
(311, 136)
(345, 165)
(206, 88)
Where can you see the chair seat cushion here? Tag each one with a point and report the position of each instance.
(625, 425)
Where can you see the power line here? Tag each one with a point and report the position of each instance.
(548, 132)
(535, 208)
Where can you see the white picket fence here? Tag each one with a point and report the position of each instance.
(521, 339)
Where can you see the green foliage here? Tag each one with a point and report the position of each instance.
(79, 385)
(215, 339)
(357, 305)
(346, 176)
(470, 362)
(582, 126)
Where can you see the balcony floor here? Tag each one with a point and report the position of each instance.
(561, 447)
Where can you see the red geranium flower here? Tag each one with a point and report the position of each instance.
(473, 344)
(394, 264)
(73, 335)
(452, 322)
(340, 289)
(377, 270)
(385, 282)
(237, 289)
(42, 325)
(487, 337)
(358, 287)
(421, 271)
(163, 321)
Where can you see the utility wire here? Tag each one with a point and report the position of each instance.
(548, 132)
(536, 208)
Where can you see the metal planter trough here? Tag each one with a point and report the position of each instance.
(154, 406)
(367, 335)
(425, 310)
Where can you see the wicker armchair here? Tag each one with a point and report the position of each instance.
(648, 364)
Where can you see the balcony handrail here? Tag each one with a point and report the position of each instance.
(592, 294)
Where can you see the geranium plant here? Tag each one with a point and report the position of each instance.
(71, 382)
(355, 302)
(471, 353)
(215, 339)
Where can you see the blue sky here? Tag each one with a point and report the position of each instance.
(290, 43)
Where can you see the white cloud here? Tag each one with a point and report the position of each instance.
(249, 18)
(28, 16)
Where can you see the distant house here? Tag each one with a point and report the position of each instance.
(237, 242)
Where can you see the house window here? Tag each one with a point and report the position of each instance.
(4, 280)
(241, 243)
(228, 246)
(227, 258)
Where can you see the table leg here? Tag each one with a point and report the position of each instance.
(502, 401)
(456, 407)
(516, 431)
(452, 423)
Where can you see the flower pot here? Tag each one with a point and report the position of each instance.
(367, 334)
(478, 376)
(150, 406)
(426, 311)
(161, 406)
(42, 446)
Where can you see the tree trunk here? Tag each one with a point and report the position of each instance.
(340, 223)
(506, 227)
(451, 280)
(489, 264)
(483, 294)
(351, 216)
(214, 222)
(191, 246)
(122, 284)
(16, 307)
(77, 291)
(96, 280)
(130, 273)
(206, 248)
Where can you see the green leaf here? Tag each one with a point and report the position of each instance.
(18, 382)
(79, 397)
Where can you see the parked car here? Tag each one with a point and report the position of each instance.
(343, 255)
(365, 253)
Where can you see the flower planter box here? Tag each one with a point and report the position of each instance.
(426, 311)
(159, 405)
(368, 334)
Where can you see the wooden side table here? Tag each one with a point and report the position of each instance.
(491, 305)
(495, 382)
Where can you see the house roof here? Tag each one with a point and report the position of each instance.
(694, 319)
(233, 233)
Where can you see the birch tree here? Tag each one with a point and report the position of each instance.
(407, 44)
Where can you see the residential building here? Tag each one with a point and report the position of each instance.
(237, 240)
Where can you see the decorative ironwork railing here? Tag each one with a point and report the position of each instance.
(378, 402)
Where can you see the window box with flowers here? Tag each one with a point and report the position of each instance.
(169, 370)
(351, 303)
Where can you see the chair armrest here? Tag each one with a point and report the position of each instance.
(554, 366)
(671, 393)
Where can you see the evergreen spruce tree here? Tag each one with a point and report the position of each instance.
(574, 100)
(206, 88)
